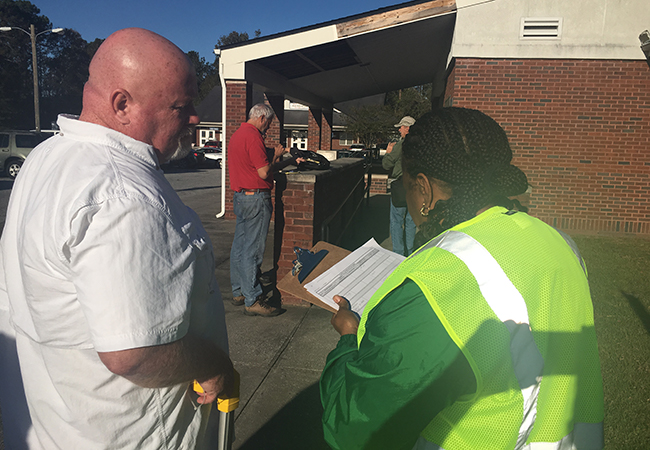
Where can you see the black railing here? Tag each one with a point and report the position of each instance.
(325, 227)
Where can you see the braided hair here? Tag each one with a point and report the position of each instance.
(469, 152)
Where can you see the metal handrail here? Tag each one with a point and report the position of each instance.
(325, 225)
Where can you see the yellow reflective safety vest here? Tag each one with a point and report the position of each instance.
(512, 293)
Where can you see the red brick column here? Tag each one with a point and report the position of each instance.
(314, 129)
(326, 130)
(276, 130)
(236, 110)
(294, 225)
(298, 204)
(578, 128)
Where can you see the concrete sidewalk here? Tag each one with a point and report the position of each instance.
(280, 359)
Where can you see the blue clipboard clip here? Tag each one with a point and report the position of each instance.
(305, 262)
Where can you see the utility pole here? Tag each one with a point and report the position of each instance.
(33, 35)
(37, 110)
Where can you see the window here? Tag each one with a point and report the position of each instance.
(4, 140)
(347, 138)
(26, 141)
(540, 28)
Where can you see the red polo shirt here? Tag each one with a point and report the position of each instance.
(246, 154)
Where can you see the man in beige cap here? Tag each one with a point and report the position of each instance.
(402, 228)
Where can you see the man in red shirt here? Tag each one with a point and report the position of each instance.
(251, 177)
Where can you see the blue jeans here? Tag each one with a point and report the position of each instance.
(247, 252)
(401, 228)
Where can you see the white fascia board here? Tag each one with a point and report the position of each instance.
(234, 59)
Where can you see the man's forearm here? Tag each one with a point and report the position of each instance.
(190, 358)
(281, 164)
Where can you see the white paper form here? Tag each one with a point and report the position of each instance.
(357, 276)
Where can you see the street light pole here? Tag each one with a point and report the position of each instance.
(32, 35)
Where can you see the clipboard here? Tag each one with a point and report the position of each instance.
(289, 284)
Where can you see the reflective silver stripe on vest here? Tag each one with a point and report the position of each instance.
(585, 436)
(509, 306)
(571, 243)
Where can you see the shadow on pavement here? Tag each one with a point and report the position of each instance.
(296, 426)
(6, 184)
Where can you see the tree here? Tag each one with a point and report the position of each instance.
(235, 37)
(63, 60)
(207, 75)
(413, 101)
(64, 75)
(16, 86)
(372, 124)
(92, 47)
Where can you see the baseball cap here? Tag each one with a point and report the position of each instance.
(406, 121)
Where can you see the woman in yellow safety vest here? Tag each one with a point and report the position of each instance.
(484, 337)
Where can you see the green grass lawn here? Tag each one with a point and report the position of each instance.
(619, 276)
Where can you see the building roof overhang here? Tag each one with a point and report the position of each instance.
(351, 58)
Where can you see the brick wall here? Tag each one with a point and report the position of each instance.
(237, 105)
(276, 130)
(580, 129)
(314, 121)
(326, 130)
(379, 183)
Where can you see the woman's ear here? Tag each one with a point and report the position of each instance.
(425, 189)
(432, 190)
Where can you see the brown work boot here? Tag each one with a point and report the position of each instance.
(239, 300)
(261, 308)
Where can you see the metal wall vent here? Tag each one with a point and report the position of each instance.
(540, 28)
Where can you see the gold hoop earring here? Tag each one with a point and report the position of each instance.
(424, 210)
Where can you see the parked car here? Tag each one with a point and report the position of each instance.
(14, 148)
(191, 161)
(215, 144)
(213, 156)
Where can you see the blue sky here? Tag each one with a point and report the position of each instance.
(196, 25)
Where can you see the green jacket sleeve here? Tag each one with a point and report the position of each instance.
(406, 370)
(393, 160)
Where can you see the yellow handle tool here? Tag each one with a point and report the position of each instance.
(226, 406)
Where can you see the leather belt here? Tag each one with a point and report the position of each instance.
(253, 191)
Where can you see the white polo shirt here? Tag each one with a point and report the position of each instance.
(100, 254)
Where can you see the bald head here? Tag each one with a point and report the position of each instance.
(138, 79)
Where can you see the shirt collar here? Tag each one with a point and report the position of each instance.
(246, 124)
(73, 128)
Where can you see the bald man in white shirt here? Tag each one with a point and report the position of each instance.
(109, 278)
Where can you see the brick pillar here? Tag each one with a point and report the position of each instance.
(276, 130)
(237, 106)
(326, 130)
(294, 225)
(314, 129)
